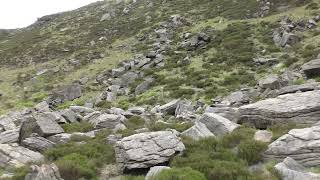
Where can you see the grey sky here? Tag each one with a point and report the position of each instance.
(21, 13)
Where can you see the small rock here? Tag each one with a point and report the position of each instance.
(263, 136)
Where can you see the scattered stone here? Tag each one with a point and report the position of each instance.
(312, 68)
(147, 149)
(289, 169)
(198, 131)
(118, 72)
(303, 145)
(81, 110)
(154, 171)
(263, 136)
(300, 108)
(13, 155)
(218, 125)
(44, 172)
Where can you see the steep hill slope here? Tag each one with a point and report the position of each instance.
(117, 87)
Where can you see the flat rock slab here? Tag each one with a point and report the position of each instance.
(218, 125)
(301, 108)
(145, 150)
(303, 145)
(13, 155)
(11, 136)
(198, 131)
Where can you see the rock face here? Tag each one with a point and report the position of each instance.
(299, 88)
(145, 150)
(218, 125)
(289, 169)
(154, 171)
(44, 172)
(301, 108)
(312, 68)
(303, 145)
(43, 127)
(12, 155)
(198, 131)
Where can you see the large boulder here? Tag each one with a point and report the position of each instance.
(270, 82)
(218, 125)
(7, 123)
(144, 86)
(312, 68)
(44, 172)
(13, 155)
(198, 131)
(230, 113)
(301, 108)
(289, 169)
(303, 145)
(39, 125)
(145, 150)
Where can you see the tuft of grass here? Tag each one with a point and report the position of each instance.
(78, 127)
(180, 174)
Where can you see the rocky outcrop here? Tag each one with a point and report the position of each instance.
(312, 68)
(289, 169)
(198, 131)
(154, 171)
(303, 145)
(67, 93)
(13, 155)
(145, 150)
(44, 172)
(301, 108)
(218, 125)
(272, 82)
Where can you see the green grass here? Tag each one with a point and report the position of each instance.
(78, 127)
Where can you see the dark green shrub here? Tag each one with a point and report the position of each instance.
(75, 166)
(78, 127)
(237, 136)
(135, 122)
(251, 151)
(159, 126)
(180, 174)
(279, 130)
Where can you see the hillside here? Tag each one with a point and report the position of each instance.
(208, 79)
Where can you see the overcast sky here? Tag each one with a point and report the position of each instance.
(21, 13)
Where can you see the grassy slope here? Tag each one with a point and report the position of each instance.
(41, 46)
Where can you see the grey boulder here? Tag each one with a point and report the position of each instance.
(311, 68)
(301, 108)
(303, 145)
(42, 126)
(170, 107)
(198, 131)
(145, 150)
(13, 155)
(289, 169)
(218, 125)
